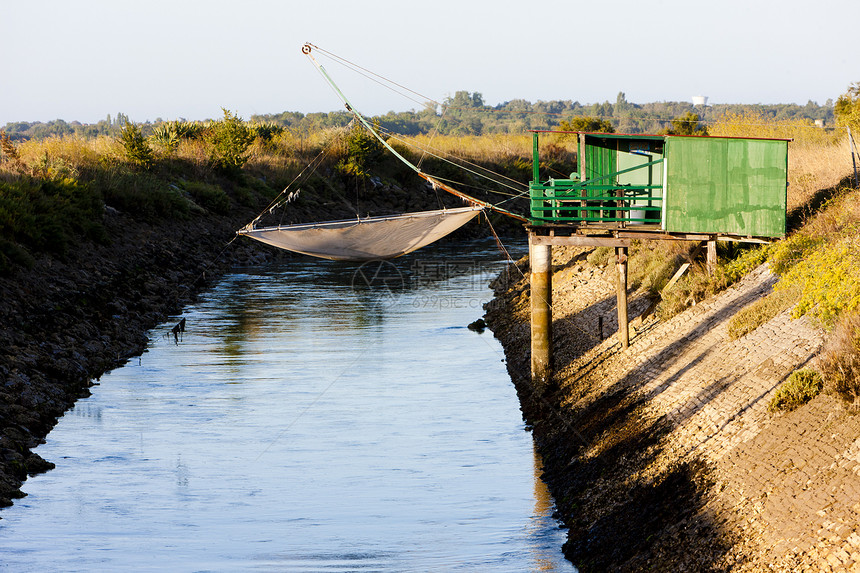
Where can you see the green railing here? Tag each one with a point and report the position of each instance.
(597, 201)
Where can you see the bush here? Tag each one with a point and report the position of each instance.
(46, 217)
(137, 149)
(840, 360)
(801, 387)
(166, 137)
(697, 284)
(144, 196)
(790, 251)
(363, 150)
(210, 197)
(847, 107)
(587, 124)
(12, 256)
(229, 140)
(687, 124)
(600, 256)
(828, 281)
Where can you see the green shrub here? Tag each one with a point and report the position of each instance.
(652, 263)
(266, 132)
(229, 140)
(144, 196)
(39, 216)
(801, 387)
(790, 251)
(363, 150)
(166, 136)
(590, 124)
(12, 256)
(210, 197)
(697, 284)
(188, 129)
(137, 149)
(828, 281)
(600, 256)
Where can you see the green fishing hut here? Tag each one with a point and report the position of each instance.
(734, 188)
(630, 187)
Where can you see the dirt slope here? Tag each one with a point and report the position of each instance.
(664, 456)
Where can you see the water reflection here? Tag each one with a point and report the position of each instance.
(300, 426)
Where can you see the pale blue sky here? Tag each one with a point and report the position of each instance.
(84, 59)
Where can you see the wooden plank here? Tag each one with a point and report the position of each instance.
(681, 270)
(579, 241)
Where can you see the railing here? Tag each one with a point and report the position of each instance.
(570, 201)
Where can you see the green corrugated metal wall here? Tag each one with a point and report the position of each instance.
(733, 186)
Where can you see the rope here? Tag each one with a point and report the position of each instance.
(382, 80)
(435, 182)
(277, 202)
(425, 149)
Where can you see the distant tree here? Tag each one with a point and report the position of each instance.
(687, 124)
(621, 104)
(464, 99)
(587, 124)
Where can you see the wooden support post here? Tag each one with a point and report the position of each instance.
(853, 153)
(712, 256)
(540, 259)
(623, 325)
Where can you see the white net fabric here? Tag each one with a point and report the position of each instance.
(365, 239)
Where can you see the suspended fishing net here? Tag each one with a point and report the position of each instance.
(365, 239)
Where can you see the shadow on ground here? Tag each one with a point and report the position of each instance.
(624, 511)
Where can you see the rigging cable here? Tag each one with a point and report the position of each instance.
(426, 149)
(382, 80)
(306, 49)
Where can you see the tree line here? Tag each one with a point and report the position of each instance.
(465, 113)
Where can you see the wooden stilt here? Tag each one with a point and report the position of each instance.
(540, 257)
(623, 324)
(712, 256)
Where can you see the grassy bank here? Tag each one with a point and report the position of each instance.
(54, 191)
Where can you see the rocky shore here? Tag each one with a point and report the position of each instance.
(67, 321)
(663, 456)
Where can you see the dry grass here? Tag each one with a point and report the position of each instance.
(495, 148)
(840, 360)
(762, 311)
(816, 166)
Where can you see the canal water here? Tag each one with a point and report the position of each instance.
(315, 416)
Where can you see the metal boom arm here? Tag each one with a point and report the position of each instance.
(306, 50)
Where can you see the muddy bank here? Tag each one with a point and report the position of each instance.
(66, 322)
(664, 456)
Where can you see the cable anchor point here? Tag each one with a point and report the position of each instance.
(306, 49)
